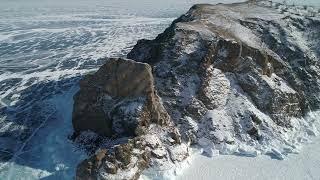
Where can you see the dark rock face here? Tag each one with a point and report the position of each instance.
(223, 56)
(119, 99)
(232, 78)
(88, 169)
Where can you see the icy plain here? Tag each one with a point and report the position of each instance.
(46, 46)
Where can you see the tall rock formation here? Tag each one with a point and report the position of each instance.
(233, 79)
(120, 102)
(119, 99)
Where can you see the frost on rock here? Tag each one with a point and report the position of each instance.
(239, 83)
(231, 79)
(179, 152)
(120, 119)
(125, 115)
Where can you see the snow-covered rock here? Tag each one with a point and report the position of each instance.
(119, 99)
(231, 78)
(246, 74)
(119, 103)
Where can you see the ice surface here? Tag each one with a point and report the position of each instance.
(45, 47)
(51, 153)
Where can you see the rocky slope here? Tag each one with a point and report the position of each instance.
(120, 101)
(233, 79)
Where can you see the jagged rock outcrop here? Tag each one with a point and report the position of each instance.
(237, 73)
(235, 78)
(119, 99)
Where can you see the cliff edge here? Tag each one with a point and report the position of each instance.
(230, 78)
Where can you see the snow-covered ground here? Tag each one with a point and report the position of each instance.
(305, 165)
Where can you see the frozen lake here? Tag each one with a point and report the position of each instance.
(45, 47)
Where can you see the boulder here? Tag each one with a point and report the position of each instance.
(119, 99)
(88, 169)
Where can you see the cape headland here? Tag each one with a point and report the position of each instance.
(229, 78)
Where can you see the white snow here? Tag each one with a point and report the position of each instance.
(169, 172)
(179, 152)
(121, 174)
(52, 41)
(243, 162)
(153, 140)
(276, 82)
(304, 165)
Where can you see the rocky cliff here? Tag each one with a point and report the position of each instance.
(119, 99)
(232, 79)
(120, 102)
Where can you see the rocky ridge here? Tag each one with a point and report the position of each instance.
(233, 79)
(120, 102)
